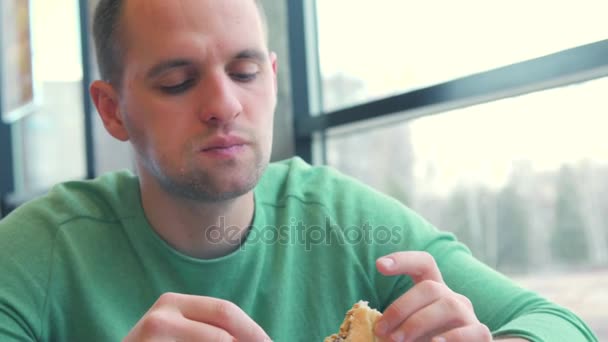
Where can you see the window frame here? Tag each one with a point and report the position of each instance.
(6, 147)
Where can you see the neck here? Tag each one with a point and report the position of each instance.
(203, 230)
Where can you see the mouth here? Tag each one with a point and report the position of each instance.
(224, 146)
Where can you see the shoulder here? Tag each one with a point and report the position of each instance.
(349, 204)
(32, 240)
(104, 198)
(295, 179)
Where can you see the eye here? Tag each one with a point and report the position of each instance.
(177, 88)
(244, 71)
(244, 77)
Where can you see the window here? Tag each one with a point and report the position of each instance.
(49, 144)
(530, 154)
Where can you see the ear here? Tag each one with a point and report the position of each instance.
(105, 98)
(273, 62)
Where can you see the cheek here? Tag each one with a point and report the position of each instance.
(267, 127)
(263, 118)
(263, 103)
(153, 133)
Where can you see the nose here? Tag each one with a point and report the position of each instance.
(219, 101)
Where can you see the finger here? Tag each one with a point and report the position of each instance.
(418, 297)
(220, 313)
(441, 316)
(474, 332)
(188, 330)
(167, 324)
(418, 265)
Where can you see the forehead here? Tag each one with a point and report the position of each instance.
(218, 21)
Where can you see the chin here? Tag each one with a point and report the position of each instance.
(212, 183)
(223, 186)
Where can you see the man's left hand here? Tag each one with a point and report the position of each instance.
(429, 311)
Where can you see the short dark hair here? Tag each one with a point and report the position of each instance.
(108, 47)
(107, 36)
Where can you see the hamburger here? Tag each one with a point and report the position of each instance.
(358, 325)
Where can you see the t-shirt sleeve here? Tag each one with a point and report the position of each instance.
(14, 326)
(24, 266)
(506, 308)
(18, 316)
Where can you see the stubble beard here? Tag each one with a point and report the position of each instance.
(194, 183)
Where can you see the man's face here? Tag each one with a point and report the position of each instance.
(198, 95)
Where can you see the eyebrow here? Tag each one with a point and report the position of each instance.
(251, 54)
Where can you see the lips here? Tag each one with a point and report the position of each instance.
(223, 143)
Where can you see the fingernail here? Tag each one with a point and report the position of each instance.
(399, 336)
(382, 328)
(387, 262)
(439, 339)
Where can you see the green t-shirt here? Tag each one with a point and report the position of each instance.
(83, 263)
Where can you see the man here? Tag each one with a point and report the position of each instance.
(208, 242)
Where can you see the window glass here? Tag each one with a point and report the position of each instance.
(373, 49)
(522, 181)
(49, 144)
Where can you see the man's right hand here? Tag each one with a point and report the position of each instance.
(180, 317)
